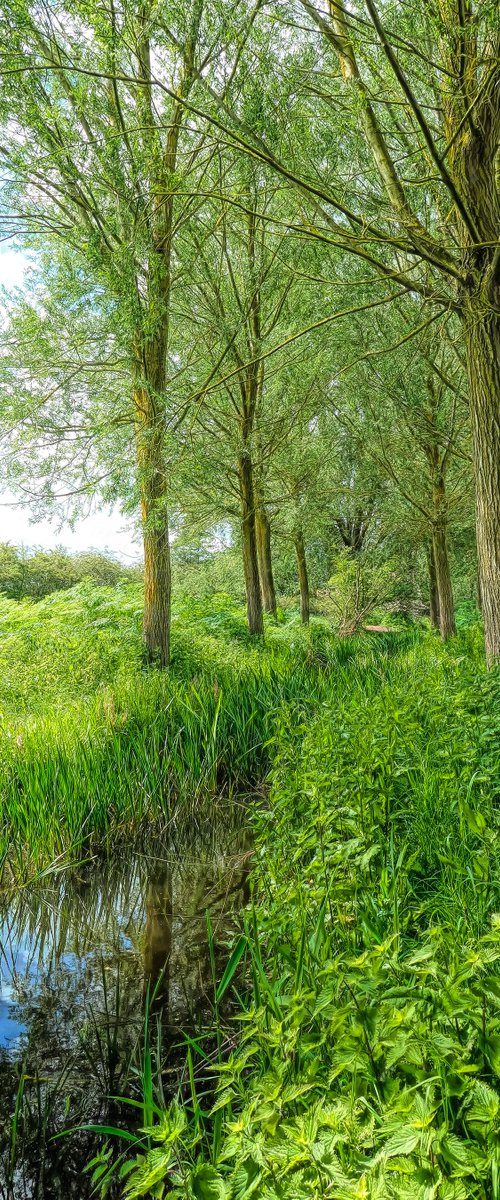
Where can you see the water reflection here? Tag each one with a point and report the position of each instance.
(78, 957)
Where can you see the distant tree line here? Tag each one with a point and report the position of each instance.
(36, 573)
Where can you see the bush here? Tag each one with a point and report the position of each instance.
(36, 573)
(357, 587)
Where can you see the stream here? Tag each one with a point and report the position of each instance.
(81, 953)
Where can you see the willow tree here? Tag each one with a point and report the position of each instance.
(241, 289)
(395, 116)
(410, 411)
(93, 160)
(424, 87)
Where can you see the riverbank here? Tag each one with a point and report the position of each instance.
(367, 1059)
(361, 1054)
(95, 747)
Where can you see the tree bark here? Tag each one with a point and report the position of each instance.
(433, 588)
(265, 564)
(157, 588)
(300, 551)
(483, 360)
(249, 546)
(479, 598)
(439, 517)
(154, 516)
(443, 580)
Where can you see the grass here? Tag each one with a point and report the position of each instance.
(364, 1054)
(93, 746)
(367, 1059)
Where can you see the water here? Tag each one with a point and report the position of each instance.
(79, 956)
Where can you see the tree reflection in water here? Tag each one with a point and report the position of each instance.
(78, 957)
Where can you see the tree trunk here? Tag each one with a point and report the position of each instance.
(300, 551)
(440, 545)
(154, 516)
(479, 598)
(433, 588)
(157, 585)
(483, 355)
(443, 580)
(249, 546)
(263, 535)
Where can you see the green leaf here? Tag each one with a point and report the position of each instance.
(455, 1152)
(208, 1184)
(491, 1049)
(403, 1141)
(475, 819)
(231, 968)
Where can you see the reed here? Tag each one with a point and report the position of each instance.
(93, 746)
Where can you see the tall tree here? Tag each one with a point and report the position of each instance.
(240, 290)
(434, 73)
(419, 414)
(78, 84)
(403, 130)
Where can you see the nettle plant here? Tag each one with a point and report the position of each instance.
(367, 1049)
(362, 1077)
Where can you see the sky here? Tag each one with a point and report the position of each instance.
(106, 530)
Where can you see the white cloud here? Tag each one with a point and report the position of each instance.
(13, 265)
(107, 530)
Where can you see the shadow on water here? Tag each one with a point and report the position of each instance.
(79, 956)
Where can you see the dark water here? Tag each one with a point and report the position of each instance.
(79, 956)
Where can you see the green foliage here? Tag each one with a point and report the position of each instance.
(37, 573)
(365, 1056)
(93, 743)
(368, 1062)
(357, 587)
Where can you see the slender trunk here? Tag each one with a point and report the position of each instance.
(154, 516)
(263, 535)
(483, 354)
(157, 586)
(433, 588)
(300, 551)
(440, 546)
(249, 546)
(443, 580)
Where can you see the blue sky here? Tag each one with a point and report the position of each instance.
(106, 530)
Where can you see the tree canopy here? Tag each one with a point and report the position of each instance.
(266, 282)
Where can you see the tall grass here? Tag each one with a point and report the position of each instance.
(367, 1062)
(93, 745)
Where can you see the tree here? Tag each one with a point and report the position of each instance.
(37, 572)
(104, 182)
(448, 67)
(414, 419)
(404, 135)
(241, 290)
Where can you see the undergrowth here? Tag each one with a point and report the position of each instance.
(367, 1055)
(363, 1061)
(94, 745)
